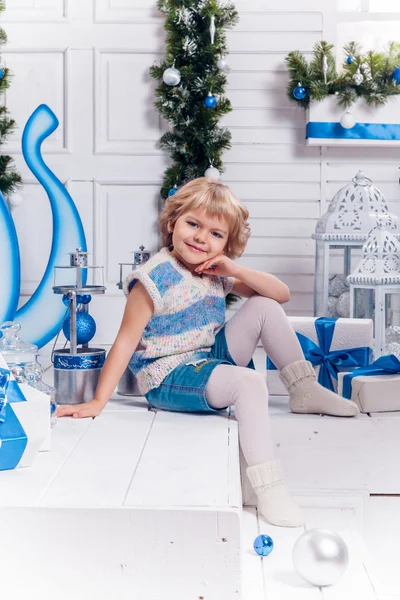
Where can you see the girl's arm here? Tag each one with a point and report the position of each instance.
(249, 282)
(138, 312)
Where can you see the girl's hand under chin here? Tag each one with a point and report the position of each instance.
(222, 267)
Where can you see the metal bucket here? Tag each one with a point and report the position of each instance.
(76, 375)
(127, 385)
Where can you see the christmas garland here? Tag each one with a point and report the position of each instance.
(371, 75)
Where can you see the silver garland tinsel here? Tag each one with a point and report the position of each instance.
(392, 334)
(393, 348)
(337, 285)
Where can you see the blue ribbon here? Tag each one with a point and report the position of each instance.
(385, 365)
(360, 131)
(4, 381)
(329, 361)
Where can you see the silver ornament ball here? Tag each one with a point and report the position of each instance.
(212, 172)
(15, 199)
(320, 557)
(347, 120)
(332, 306)
(171, 76)
(337, 285)
(343, 305)
(222, 65)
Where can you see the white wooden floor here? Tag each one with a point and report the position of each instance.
(349, 465)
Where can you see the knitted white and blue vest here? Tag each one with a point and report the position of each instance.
(188, 311)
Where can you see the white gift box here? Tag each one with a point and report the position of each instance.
(374, 393)
(375, 126)
(26, 428)
(349, 333)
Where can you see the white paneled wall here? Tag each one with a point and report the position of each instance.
(89, 60)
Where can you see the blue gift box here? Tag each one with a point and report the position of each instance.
(21, 429)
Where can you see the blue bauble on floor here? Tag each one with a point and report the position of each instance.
(85, 327)
(263, 545)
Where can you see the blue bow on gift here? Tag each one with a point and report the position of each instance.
(4, 381)
(330, 361)
(385, 365)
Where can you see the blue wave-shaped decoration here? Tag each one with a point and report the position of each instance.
(10, 264)
(42, 316)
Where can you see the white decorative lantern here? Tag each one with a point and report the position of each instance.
(352, 214)
(378, 274)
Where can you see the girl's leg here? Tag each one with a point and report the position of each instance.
(264, 319)
(247, 391)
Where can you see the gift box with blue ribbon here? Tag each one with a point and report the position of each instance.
(373, 126)
(375, 388)
(22, 426)
(331, 345)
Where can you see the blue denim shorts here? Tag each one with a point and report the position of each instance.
(183, 390)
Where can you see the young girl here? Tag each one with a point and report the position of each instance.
(185, 359)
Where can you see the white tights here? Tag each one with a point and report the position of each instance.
(258, 319)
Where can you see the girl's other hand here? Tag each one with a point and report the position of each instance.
(79, 411)
(220, 265)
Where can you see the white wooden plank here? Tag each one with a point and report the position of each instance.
(234, 487)
(367, 155)
(284, 227)
(122, 554)
(266, 173)
(255, 6)
(272, 22)
(185, 462)
(256, 41)
(279, 210)
(267, 117)
(382, 531)
(280, 246)
(252, 569)
(279, 264)
(272, 153)
(248, 80)
(281, 580)
(355, 583)
(267, 135)
(273, 61)
(376, 172)
(99, 471)
(249, 190)
(23, 487)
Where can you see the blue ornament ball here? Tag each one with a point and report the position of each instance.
(299, 92)
(83, 298)
(66, 300)
(210, 101)
(173, 191)
(396, 75)
(263, 545)
(1, 73)
(349, 60)
(85, 327)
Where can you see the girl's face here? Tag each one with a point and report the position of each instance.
(197, 237)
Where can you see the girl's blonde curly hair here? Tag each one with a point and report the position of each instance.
(219, 201)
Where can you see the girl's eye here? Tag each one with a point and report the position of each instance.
(191, 223)
(216, 234)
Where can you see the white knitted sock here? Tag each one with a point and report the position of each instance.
(274, 501)
(306, 395)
